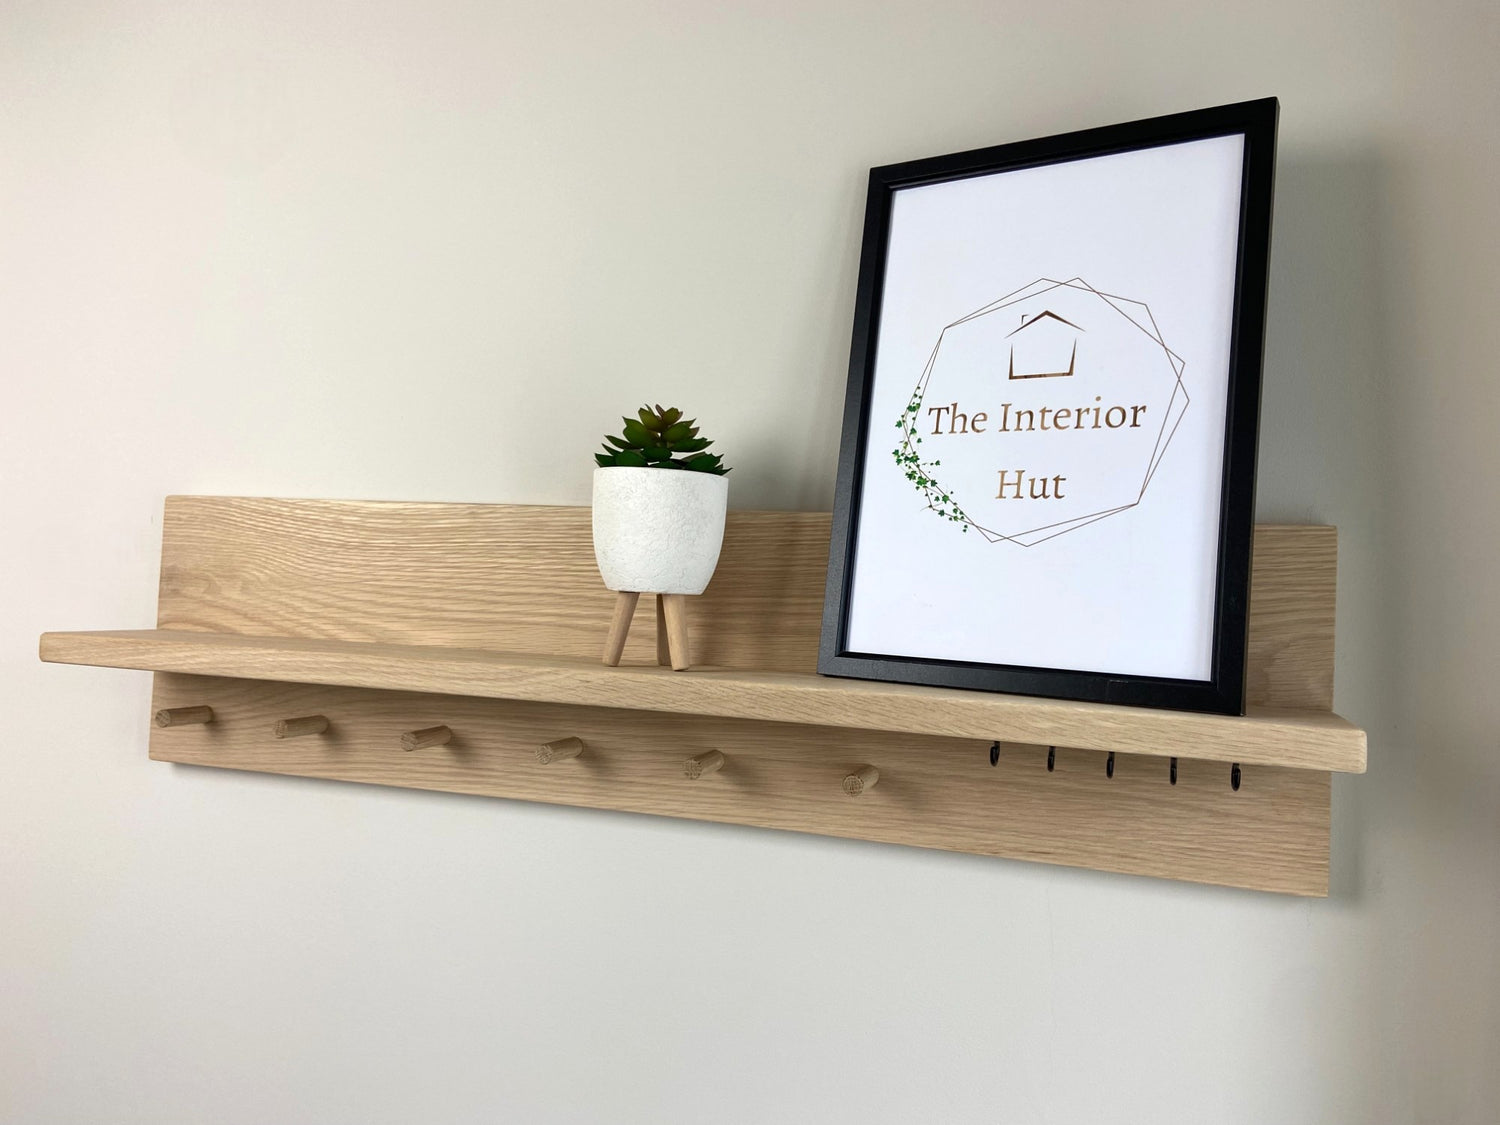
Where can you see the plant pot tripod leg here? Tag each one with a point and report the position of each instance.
(619, 626)
(674, 608)
(663, 649)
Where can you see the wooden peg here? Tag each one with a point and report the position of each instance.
(674, 612)
(183, 716)
(619, 626)
(861, 779)
(558, 751)
(695, 768)
(300, 728)
(427, 736)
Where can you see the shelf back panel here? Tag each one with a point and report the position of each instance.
(522, 578)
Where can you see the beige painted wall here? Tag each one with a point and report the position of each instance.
(431, 250)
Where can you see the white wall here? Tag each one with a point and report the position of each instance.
(431, 250)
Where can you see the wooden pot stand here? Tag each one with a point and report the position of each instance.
(672, 648)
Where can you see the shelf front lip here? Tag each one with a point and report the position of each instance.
(1295, 739)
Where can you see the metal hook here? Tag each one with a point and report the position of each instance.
(1051, 758)
(1234, 777)
(995, 753)
(1109, 765)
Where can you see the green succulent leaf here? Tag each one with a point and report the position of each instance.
(660, 437)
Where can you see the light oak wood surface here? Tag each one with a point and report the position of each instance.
(511, 578)
(475, 632)
(1267, 736)
(515, 578)
(303, 727)
(182, 716)
(701, 765)
(426, 738)
(933, 792)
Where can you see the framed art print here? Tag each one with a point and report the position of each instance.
(1047, 475)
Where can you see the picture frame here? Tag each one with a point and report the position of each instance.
(1104, 557)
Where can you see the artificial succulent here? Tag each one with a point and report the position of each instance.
(660, 439)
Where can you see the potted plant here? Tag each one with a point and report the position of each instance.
(659, 504)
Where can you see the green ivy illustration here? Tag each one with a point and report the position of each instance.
(919, 472)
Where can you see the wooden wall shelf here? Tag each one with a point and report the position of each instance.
(392, 619)
(1300, 739)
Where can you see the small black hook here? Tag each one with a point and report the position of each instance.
(1051, 758)
(1234, 777)
(995, 753)
(1172, 771)
(1109, 765)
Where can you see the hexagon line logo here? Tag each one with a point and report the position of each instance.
(1058, 352)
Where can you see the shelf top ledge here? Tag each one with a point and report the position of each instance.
(1298, 739)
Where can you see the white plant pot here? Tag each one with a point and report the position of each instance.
(658, 531)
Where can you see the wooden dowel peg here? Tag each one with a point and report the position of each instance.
(302, 727)
(559, 751)
(861, 779)
(619, 626)
(184, 716)
(695, 768)
(427, 736)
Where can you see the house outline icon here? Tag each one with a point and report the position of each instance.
(1044, 349)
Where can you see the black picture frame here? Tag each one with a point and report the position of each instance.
(1224, 691)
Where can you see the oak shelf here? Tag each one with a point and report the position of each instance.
(1297, 739)
(457, 648)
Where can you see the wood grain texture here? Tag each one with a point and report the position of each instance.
(702, 765)
(507, 578)
(932, 792)
(183, 716)
(485, 623)
(426, 738)
(674, 615)
(559, 750)
(303, 727)
(1289, 658)
(619, 626)
(663, 650)
(523, 579)
(1267, 736)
